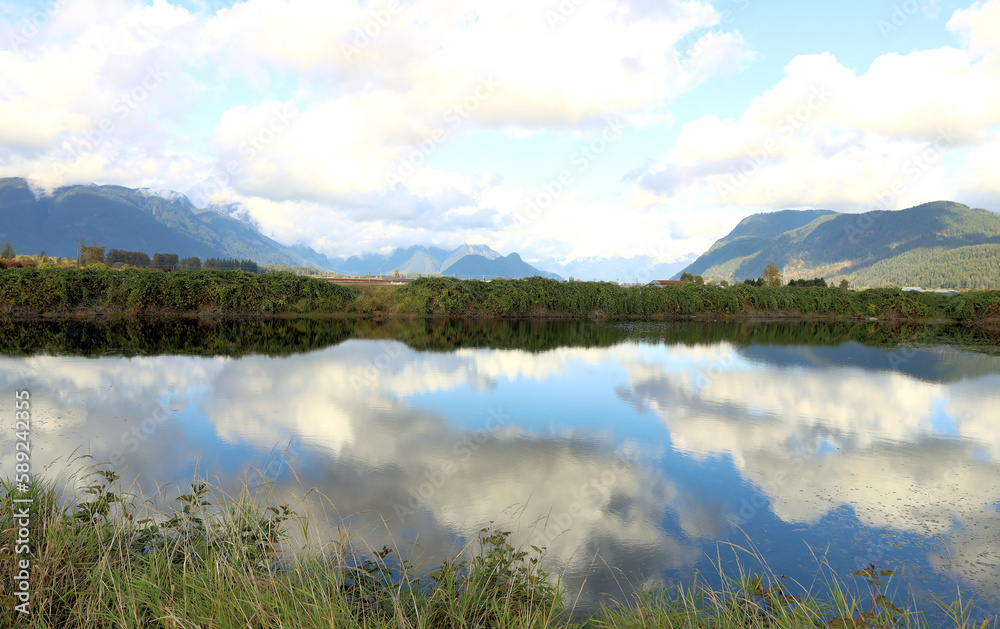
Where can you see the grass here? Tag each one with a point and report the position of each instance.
(216, 560)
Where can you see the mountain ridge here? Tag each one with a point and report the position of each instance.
(942, 244)
(466, 261)
(133, 220)
(163, 221)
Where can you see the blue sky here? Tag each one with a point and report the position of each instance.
(563, 130)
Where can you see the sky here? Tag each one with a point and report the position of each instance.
(563, 130)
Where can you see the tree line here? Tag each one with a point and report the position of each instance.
(973, 267)
(94, 255)
(118, 258)
(771, 276)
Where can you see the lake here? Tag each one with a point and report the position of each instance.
(636, 454)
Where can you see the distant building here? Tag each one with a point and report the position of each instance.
(665, 282)
(943, 291)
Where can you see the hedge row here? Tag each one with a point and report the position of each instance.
(27, 290)
(145, 291)
(540, 296)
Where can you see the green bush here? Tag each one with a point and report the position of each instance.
(146, 291)
(541, 296)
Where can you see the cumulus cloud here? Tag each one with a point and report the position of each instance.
(827, 136)
(336, 107)
(338, 124)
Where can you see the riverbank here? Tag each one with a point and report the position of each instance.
(142, 293)
(215, 560)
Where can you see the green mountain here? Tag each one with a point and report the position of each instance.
(934, 245)
(133, 220)
(167, 222)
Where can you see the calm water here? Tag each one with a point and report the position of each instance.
(633, 453)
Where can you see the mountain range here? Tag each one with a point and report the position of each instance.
(467, 261)
(167, 222)
(133, 220)
(635, 269)
(935, 245)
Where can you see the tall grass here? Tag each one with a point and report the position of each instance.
(217, 560)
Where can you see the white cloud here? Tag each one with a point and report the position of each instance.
(369, 97)
(825, 136)
(94, 103)
(373, 88)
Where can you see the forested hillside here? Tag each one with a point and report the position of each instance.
(935, 245)
(133, 220)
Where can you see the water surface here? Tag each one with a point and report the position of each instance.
(636, 454)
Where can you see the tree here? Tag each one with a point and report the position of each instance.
(131, 258)
(191, 264)
(687, 277)
(844, 284)
(7, 253)
(90, 254)
(164, 261)
(724, 283)
(772, 276)
(395, 273)
(816, 281)
(229, 264)
(699, 279)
